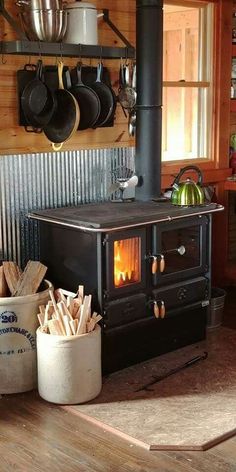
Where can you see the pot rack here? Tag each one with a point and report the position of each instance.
(34, 48)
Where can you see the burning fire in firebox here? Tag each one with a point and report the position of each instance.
(126, 261)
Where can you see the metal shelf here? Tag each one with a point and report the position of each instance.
(26, 47)
(36, 48)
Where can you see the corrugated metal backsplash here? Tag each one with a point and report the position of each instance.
(38, 181)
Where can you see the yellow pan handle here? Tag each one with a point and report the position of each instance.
(156, 310)
(57, 146)
(162, 310)
(60, 72)
(154, 265)
(162, 264)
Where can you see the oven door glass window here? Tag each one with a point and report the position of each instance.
(127, 262)
(181, 248)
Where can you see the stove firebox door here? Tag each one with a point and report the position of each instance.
(125, 262)
(182, 249)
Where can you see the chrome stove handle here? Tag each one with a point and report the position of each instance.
(181, 250)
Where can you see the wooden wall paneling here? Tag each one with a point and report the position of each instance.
(230, 264)
(13, 138)
(232, 228)
(220, 239)
(221, 124)
(222, 74)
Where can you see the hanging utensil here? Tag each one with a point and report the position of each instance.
(106, 98)
(38, 101)
(132, 113)
(127, 94)
(88, 100)
(34, 95)
(65, 119)
(132, 123)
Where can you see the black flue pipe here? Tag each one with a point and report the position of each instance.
(149, 59)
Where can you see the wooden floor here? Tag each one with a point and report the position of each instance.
(38, 436)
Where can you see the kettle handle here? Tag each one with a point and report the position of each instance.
(185, 169)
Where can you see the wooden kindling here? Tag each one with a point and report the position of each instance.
(68, 313)
(12, 275)
(30, 279)
(3, 284)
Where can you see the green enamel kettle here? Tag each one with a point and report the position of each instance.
(188, 192)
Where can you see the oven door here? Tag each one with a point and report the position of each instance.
(181, 248)
(125, 262)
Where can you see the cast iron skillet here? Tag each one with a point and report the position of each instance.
(106, 98)
(88, 100)
(65, 119)
(37, 100)
(34, 95)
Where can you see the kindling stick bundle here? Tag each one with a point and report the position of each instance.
(15, 283)
(68, 313)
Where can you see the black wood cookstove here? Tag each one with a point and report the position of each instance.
(147, 263)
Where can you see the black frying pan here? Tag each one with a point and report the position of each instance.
(37, 101)
(88, 100)
(105, 96)
(65, 119)
(34, 95)
(112, 116)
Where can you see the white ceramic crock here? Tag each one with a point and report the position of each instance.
(81, 23)
(69, 367)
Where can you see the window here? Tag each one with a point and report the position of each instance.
(187, 80)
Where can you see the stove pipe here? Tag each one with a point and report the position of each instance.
(149, 57)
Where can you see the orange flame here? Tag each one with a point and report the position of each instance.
(126, 261)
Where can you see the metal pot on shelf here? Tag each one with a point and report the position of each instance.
(40, 4)
(188, 192)
(82, 23)
(44, 25)
(43, 20)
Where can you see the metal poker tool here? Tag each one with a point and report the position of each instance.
(173, 371)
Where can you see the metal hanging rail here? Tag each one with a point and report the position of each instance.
(26, 47)
(11, 21)
(63, 49)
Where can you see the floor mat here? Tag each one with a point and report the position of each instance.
(193, 409)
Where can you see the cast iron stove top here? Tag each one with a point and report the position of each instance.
(110, 216)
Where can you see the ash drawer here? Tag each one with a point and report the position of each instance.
(183, 293)
(125, 310)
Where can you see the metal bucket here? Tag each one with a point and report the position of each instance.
(216, 308)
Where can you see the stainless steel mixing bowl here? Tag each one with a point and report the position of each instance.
(40, 4)
(44, 25)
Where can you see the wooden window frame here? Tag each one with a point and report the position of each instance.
(217, 168)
